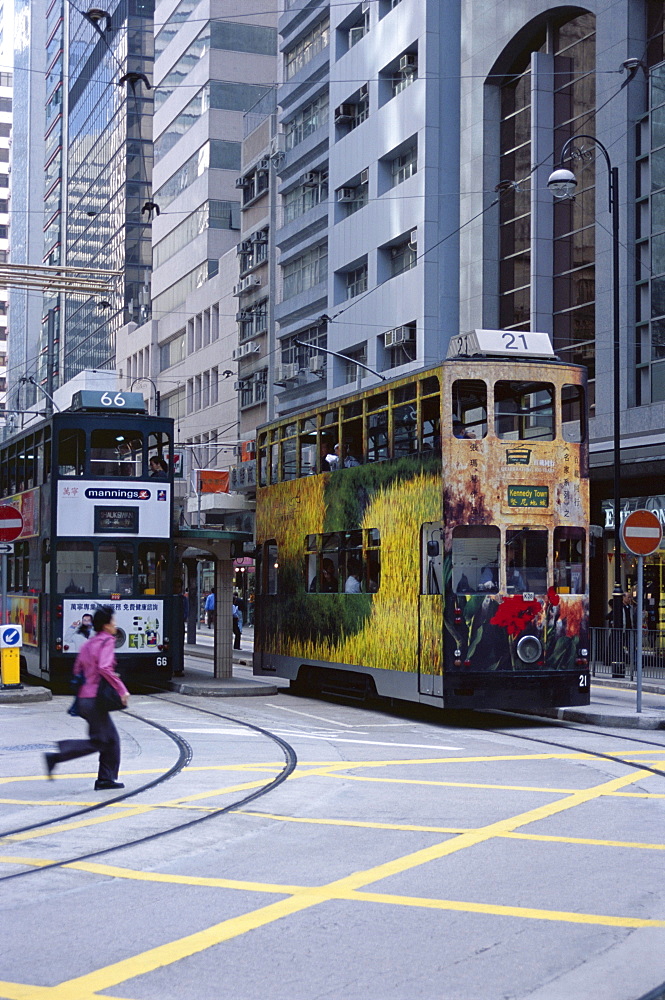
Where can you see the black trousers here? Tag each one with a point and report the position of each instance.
(236, 634)
(102, 739)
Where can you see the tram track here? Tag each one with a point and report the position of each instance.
(291, 761)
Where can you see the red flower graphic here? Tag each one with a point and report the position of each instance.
(514, 614)
(552, 596)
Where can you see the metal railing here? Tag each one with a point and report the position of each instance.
(614, 653)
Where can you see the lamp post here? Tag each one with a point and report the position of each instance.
(562, 183)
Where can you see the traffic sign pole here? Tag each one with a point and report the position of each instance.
(641, 534)
(640, 592)
(11, 526)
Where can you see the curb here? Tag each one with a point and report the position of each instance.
(29, 694)
(229, 687)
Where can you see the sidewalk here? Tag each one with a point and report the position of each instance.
(198, 680)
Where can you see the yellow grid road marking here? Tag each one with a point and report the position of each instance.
(82, 987)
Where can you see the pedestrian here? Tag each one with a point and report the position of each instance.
(237, 624)
(95, 662)
(209, 608)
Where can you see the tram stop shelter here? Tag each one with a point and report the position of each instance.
(221, 546)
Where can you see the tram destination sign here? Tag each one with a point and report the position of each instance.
(528, 496)
(500, 344)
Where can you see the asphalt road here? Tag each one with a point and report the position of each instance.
(406, 858)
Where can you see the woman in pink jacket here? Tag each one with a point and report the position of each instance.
(96, 660)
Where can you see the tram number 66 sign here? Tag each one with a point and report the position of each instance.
(641, 532)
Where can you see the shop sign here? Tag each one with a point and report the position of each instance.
(655, 504)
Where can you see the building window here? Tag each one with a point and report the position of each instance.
(407, 72)
(356, 281)
(403, 257)
(173, 351)
(351, 369)
(404, 165)
(211, 215)
(253, 251)
(306, 48)
(306, 121)
(253, 320)
(305, 271)
(253, 389)
(300, 355)
(360, 26)
(312, 190)
(353, 197)
(353, 112)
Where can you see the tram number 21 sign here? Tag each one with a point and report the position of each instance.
(641, 532)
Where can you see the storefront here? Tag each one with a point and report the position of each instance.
(654, 565)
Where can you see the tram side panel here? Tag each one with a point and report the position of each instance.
(366, 518)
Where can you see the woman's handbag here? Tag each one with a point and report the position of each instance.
(107, 698)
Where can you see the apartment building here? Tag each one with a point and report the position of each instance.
(6, 91)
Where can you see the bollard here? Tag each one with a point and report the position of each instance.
(10, 667)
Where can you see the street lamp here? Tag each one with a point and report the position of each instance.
(562, 183)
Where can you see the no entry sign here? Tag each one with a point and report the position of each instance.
(11, 523)
(641, 532)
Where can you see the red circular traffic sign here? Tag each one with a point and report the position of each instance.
(641, 532)
(11, 523)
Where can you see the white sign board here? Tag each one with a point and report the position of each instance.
(94, 509)
(140, 624)
(500, 344)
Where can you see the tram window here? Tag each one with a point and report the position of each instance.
(352, 570)
(116, 453)
(152, 566)
(115, 568)
(74, 568)
(377, 436)
(159, 449)
(274, 462)
(572, 413)
(271, 562)
(569, 560)
(289, 458)
(373, 560)
(524, 411)
(430, 423)
(405, 430)
(307, 446)
(404, 393)
(470, 408)
(71, 452)
(476, 559)
(263, 461)
(526, 560)
(352, 434)
(47, 460)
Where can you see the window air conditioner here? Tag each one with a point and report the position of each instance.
(287, 372)
(237, 386)
(317, 362)
(263, 165)
(345, 195)
(398, 335)
(310, 179)
(241, 182)
(408, 62)
(277, 144)
(260, 237)
(237, 353)
(364, 176)
(254, 349)
(345, 113)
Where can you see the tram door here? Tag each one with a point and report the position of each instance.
(430, 610)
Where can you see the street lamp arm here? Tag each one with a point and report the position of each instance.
(345, 357)
(570, 143)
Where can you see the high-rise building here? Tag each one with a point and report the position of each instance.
(5, 139)
(27, 193)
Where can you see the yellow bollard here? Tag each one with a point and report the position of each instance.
(10, 667)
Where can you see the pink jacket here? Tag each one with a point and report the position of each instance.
(97, 660)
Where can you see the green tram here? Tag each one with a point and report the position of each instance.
(94, 484)
(426, 539)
